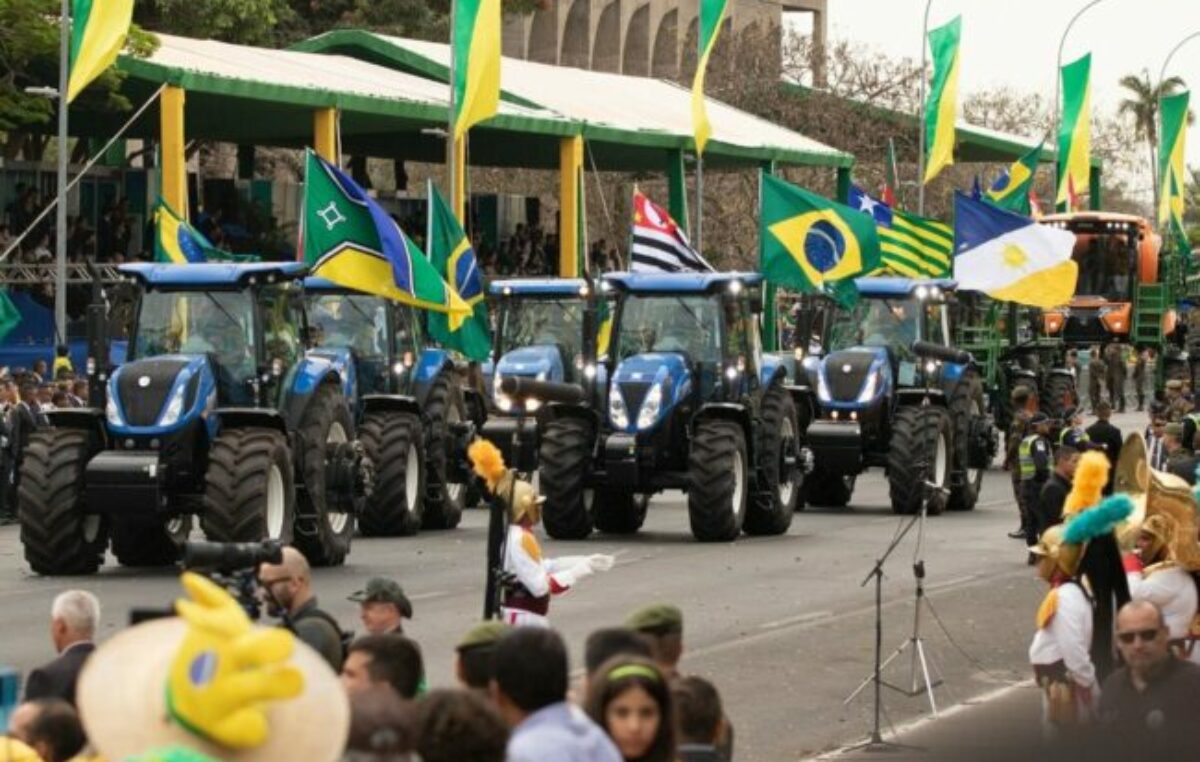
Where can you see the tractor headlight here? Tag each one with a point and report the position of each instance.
(112, 412)
(822, 387)
(541, 376)
(869, 389)
(651, 406)
(503, 401)
(174, 407)
(617, 412)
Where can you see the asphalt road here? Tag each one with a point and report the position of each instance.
(781, 624)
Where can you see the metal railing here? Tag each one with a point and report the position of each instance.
(37, 275)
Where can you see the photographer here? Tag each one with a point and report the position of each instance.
(289, 596)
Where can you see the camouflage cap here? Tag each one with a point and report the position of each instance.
(1175, 384)
(483, 634)
(384, 590)
(657, 619)
(1175, 429)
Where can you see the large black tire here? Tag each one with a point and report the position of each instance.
(444, 501)
(620, 511)
(774, 502)
(822, 490)
(57, 536)
(718, 481)
(966, 407)
(1058, 396)
(144, 544)
(564, 460)
(324, 527)
(919, 452)
(392, 440)
(250, 492)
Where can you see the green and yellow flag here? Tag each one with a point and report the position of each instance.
(1172, 138)
(98, 29)
(453, 257)
(475, 39)
(917, 247)
(808, 242)
(712, 16)
(1011, 190)
(942, 105)
(1075, 131)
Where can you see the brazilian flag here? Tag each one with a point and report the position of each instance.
(809, 243)
(451, 254)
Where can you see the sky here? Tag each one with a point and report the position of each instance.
(1015, 42)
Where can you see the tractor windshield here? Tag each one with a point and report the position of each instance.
(668, 323)
(357, 321)
(1107, 262)
(876, 323)
(542, 322)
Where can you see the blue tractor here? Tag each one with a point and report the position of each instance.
(688, 401)
(414, 417)
(217, 413)
(893, 393)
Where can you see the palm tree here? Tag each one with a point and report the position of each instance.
(1142, 105)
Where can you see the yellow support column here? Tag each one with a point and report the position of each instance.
(325, 134)
(174, 162)
(459, 202)
(570, 178)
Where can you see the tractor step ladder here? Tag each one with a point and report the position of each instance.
(1149, 304)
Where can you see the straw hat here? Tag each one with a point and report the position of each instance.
(122, 702)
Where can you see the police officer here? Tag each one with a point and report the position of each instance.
(1096, 375)
(1033, 463)
(1017, 429)
(1139, 378)
(1073, 434)
(1114, 361)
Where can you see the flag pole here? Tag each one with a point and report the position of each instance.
(450, 142)
(921, 112)
(60, 228)
(699, 237)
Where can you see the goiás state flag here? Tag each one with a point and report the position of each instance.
(659, 244)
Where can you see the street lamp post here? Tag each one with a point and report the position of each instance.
(1162, 77)
(1058, 90)
(60, 244)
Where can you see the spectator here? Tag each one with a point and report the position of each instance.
(630, 699)
(699, 718)
(459, 726)
(74, 616)
(1179, 460)
(1151, 706)
(45, 397)
(383, 606)
(1156, 455)
(390, 660)
(79, 392)
(1054, 492)
(41, 251)
(40, 371)
(382, 727)
(606, 643)
(475, 654)
(62, 362)
(663, 624)
(288, 590)
(1103, 433)
(49, 726)
(530, 690)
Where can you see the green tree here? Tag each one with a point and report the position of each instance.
(1142, 104)
(244, 22)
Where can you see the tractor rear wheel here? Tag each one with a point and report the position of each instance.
(1058, 396)
(919, 452)
(718, 481)
(564, 460)
(774, 503)
(620, 511)
(444, 499)
(966, 409)
(58, 537)
(150, 544)
(392, 440)
(250, 492)
(326, 516)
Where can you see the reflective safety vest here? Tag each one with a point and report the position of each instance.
(1028, 469)
(1079, 435)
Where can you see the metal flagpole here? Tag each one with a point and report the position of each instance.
(450, 142)
(1058, 94)
(60, 228)
(921, 113)
(699, 239)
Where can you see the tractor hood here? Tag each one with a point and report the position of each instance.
(646, 388)
(853, 378)
(159, 395)
(542, 361)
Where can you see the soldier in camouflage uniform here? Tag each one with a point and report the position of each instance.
(1178, 406)
(1114, 361)
(1192, 342)
(1096, 374)
(1017, 430)
(1139, 378)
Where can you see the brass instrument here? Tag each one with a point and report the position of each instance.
(1156, 492)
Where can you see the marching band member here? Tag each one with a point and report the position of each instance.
(1155, 575)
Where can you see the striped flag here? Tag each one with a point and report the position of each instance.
(912, 246)
(659, 244)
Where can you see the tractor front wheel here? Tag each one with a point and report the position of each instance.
(718, 481)
(774, 503)
(58, 537)
(919, 452)
(444, 499)
(564, 460)
(250, 491)
(392, 441)
(326, 514)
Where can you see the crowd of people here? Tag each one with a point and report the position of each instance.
(113, 240)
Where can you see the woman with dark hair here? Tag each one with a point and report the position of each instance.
(630, 699)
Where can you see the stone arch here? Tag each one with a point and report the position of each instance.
(543, 35)
(665, 64)
(637, 43)
(688, 55)
(606, 50)
(575, 36)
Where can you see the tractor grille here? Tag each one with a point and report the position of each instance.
(634, 392)
(845, 372)
(143, 404)
(1083, 326)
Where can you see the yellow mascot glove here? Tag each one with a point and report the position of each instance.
(226, 668)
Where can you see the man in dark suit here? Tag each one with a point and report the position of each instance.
(1054, 492)
(23, 418)
(74, 618)
(1102, 432)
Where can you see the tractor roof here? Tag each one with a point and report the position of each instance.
(679, 283)
(212, 274)
(317, 283)
(537, 287)
(900, 287)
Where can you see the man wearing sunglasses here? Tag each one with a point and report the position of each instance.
(1151, 706)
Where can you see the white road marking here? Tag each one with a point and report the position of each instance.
(795, 620)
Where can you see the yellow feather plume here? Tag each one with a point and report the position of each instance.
(1091, 474)
(488, 462)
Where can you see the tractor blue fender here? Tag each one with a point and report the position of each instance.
(241, 417)
(771, 368)
(430, 364)
(309, 375)
(393, 402)
(728, 411)
(87, 419)
(342, 360)
(192, 395)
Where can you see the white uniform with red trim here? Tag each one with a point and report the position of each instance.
(1170, 588)
(541, 577)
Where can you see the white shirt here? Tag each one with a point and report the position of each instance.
(1173, 591)
(540, 576)
(1068, 636)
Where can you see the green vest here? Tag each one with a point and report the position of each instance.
(1028, 469)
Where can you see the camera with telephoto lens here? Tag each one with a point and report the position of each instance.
(232, 565)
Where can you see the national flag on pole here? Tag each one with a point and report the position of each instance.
(1174, 114)
(890, 182)
(942, 105)
(98, 30)
(475, 39)
(1075, 131)
(659, 244)
(712, 16)
(177, 242)
(809, 241)
(348, 238)
(453, 257)
(1011, 190)
(912, 246)
(1010, 257)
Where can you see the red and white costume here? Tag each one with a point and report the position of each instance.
(540, 577)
